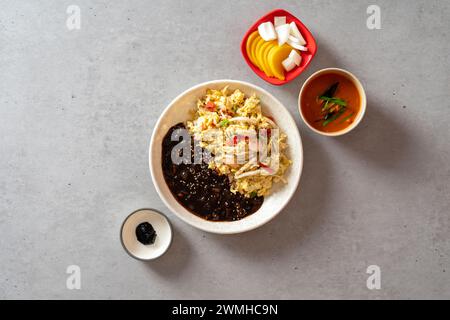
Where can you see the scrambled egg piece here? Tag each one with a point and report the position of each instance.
(231, 114)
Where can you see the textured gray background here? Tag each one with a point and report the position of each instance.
(77, 109)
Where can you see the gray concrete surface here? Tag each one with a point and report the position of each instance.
(77, 109)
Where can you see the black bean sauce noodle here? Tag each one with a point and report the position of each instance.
(201, 190)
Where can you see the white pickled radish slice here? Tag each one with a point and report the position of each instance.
(278, 21)
(295, 45)
(296, 33)
(267, 31)
(294, 39)
(288, 64)
(296, 57)
(282, 34)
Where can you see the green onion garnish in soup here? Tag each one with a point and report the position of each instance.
(331, 102)
(332, 107)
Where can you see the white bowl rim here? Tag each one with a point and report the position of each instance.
(360, 89)
(261, 222)
(169, 228)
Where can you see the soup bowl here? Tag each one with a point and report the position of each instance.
(362, 98)
(181, 109)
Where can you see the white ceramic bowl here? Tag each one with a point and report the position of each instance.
(180, 110)
(360, 89)
(163, 234)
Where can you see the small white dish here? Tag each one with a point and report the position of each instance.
(182, 109)
(361, 92)
(163, 234)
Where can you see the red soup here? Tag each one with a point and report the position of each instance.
(330, 102)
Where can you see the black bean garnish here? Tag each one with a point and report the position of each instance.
(145, 233)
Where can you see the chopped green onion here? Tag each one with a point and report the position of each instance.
(334, 117)
(224, 122)
(347, 117)
(253, 194)
(325, 106)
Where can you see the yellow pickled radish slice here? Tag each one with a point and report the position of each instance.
(255, 53)
(251, 38)
(275, 59)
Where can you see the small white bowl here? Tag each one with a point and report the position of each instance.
(361, 92)
(182, 109)
(163, 234)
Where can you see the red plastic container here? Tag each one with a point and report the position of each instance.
(306, 56)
